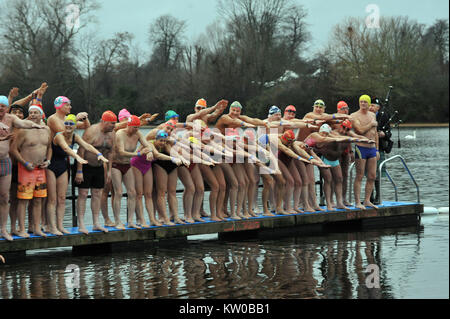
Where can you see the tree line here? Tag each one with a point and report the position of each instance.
(254, 54)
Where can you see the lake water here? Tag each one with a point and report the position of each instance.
(412, 261)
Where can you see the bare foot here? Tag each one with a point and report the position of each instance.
(317, 208)
(342, 206)
(246, 215)
(360, 206)
(39, 233)
(368, 203)
(204, 214)
(120, 226)
(98, 227)
(299, 211)
(145, 225)
(179, 221)
(109, 223)
(23, 234)
(64, 231)
(156, 222)
(5, 235)
(346, 203)
(83, 230)
(215, 219)
(330, 208)
(54, 231)
(189, 220)
(169, 223)
(15, 232)
(267, 213)
(198, 219)
(132, 225)
(235, 217)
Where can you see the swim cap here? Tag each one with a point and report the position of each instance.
(346, 123)
(35, 107)
(263, 139)
(319, 103)
(288, 135)
(171, 114)
(290, 108)
(70, 118)
(194, 140)
(60, 101)
(124, 114)
(341, 104)
(109, 116)
(325, 128)
(274, 110)
(236, 104)
(201, 103)
(17, 106)
(4, 100)
(133, 120)
(161, 134)
(365, 98)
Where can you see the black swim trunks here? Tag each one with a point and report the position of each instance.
(93, 177)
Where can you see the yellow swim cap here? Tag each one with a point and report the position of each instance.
(194, 140)
(365, 98)
(70, 118)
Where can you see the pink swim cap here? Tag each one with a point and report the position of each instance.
(60, 101)
(124, 114)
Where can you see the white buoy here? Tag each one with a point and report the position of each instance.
(430, 211)
(443, 210)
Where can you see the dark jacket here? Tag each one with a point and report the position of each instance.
(385, 144)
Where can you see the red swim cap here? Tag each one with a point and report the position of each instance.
(109, 116)
(288, 135)
(347, 123)
(133, 120)
(290, 108)
(341, 104)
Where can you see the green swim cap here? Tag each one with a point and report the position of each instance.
(365, 98)
(70, 118)
(236, 104)
(171, 114)
(319, 103)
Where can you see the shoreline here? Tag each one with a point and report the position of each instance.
(423, 125)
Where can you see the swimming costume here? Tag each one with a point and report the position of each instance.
(284, 158)
(362, 152)
(328, 162)
(59, 162)
(5, 166)
(141, 163)
(168, 166)
(191, 167)
(310, 142)
(31, 183)
(93, 177)
(123, 168)
(14, 173)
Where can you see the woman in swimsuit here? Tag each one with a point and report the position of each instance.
(57, 176)
(165, 177)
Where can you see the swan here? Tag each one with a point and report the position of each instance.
(411, 137)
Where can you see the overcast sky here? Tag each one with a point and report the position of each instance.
(135, 16)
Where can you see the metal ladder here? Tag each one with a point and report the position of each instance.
(350, 189)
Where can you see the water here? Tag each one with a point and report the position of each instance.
(412, 261)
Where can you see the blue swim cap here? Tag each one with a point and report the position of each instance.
(161, 134)
(274, 110)
(4, 100)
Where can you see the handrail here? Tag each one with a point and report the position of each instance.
(407, 169)
(380, 175)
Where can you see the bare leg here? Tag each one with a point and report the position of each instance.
(13, 207)
(104, 203)
(199, 192)
(312, 188)
(344, 161)
(327, 189)
(289, 188)
(211, 179)
(161, 180)
(81, 209)
(148, 197)
(51, 203)
(188, 194)
(37, 211)
(337, 178)
(297, 185)
(116, 177)
(239, 172)
(232, 186)
(252, 186)
(172, 195)
(268, 185)
(139, 188)
(220, 177)
(128, 181)
(371, 175)
(95, 207)
(61, 188)
(21, 212)
(305, 186)
(360, 168)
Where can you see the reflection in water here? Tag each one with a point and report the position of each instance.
(331, 266)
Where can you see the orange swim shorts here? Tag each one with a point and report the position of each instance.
(31, 183)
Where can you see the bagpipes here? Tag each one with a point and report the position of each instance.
(388, 143)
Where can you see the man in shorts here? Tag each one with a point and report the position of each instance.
(32, 149)
(92, 175)
(366, 155)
